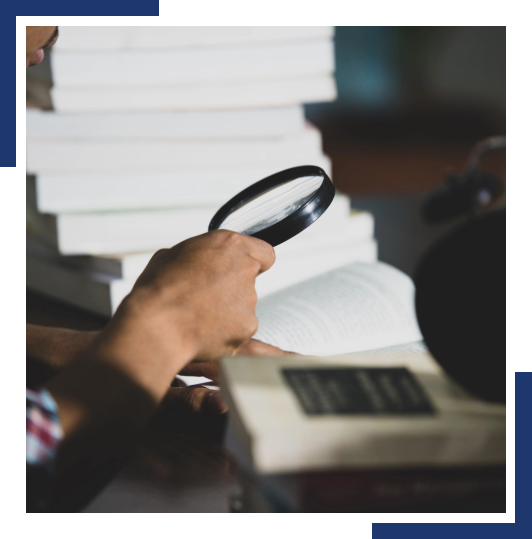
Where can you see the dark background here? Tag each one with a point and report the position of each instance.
(412, 101)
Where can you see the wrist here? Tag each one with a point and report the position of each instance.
(149, 343)
(166, 323)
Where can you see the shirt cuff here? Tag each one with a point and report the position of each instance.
(43, 428)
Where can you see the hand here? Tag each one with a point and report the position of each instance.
(203, 290)
(209, 401)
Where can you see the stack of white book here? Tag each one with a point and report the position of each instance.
(153, 129)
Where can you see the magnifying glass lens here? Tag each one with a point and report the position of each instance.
(278, 207)
(272, 206)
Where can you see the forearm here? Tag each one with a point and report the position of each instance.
(108, 395)
(56, 347)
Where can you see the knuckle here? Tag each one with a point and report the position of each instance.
(159, 253)
(232, 238)
(226, 239)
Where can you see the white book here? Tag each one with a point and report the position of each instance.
(137, 231)
(94, 38)
(273, 430)
(98, 293)
(61, 192)
(168, 155)
(214, 96)
(368, 408)
(351, 309)
(78, 281)
(309, 253)
(265, 122)
(200, 65)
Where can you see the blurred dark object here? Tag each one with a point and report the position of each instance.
(461, 304)
(461, 282)
(461, 195)
(466, 193)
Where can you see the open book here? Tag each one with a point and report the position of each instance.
(361, 306)
(354, 308)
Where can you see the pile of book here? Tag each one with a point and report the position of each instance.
(378, 427)
(152, 130)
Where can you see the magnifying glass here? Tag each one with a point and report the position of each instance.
(278, 207)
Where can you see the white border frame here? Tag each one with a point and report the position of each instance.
(509, 516)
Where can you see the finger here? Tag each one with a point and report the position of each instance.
(207, 368)
(262, 252)
(198, 400)
(258, 348)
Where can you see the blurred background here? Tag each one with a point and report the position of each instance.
(410, 104)
(412, 101)
(427, 93)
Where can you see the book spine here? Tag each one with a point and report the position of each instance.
(387, 491)
(109, 38)
(165, 155)
(279, 92)
(82, 192)
(193, 65)
(198, 125)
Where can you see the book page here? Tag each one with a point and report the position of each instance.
(351, 309)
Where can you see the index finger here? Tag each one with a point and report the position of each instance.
(261, 251)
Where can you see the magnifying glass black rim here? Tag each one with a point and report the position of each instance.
(292, 224)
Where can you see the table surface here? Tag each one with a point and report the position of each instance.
(179, 464)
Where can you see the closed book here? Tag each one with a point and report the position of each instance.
(209, 125)
(435, 490)
(66, 192)
(193, 65)
(149, 230)
(91, 291)
(168, 155)
(290, 90)
(106, 38)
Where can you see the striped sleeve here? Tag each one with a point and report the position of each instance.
(43, 428)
